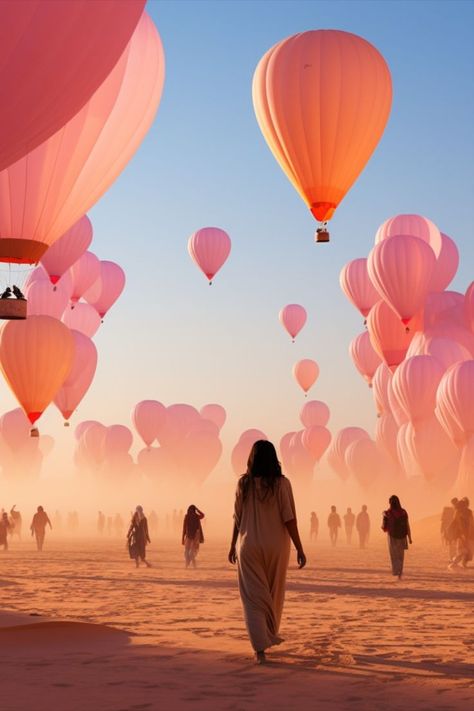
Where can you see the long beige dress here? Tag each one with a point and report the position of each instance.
(263, 557)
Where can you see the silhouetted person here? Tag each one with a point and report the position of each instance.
(265, 520)
(192, 535)
(349, 520)
(5, 527)
(397, 527)
(38, 526)
(153, 521)
(462, 529)
(138, 537)
(363, 526)
(16, 522)
(446, 530)
(313, 526)
(100, 523)
(118, 525)
(334, 524)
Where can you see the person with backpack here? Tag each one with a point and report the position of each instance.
(395, 523)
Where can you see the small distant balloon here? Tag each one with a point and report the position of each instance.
(306, 373)
(293, 318)
(209, 247)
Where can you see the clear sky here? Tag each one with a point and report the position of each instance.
(173, 338)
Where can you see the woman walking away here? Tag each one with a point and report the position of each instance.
(192, 535)
(137, 537)
(5, 528)
(265, 518)
(395, 523)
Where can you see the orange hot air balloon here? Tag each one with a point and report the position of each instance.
(36, 356)
(322, 99)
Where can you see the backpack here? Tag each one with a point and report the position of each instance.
(400, 526)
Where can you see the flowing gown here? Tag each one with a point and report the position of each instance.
(263, 557)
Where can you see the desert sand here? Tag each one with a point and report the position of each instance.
(81, 628)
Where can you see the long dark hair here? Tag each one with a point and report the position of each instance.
(262, 464)
(394, 502)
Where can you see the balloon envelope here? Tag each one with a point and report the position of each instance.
(209, 248)
(355, 283)
(306, 373)
(293, 318)
(67, 249)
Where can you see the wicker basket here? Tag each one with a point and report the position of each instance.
(13, 309)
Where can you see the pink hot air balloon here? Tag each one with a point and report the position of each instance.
(71, 49)
(40, 274)
(117, 440)
(215, 413)
(80, 377)
(364, 357)
(401, 270)
(386, 436)
(93, 442)
(239, 457)
(380, 385)
(454, 402)
(446, 264)
(355, 283)
(148, 416)
(209, 247)
(316, 440)
(202, 452)
(414, 225)
(44, 300)
(336, 454)
(302, 460)
(14, 428)
(469, 307)
(444, 307)
(103, 294)
(388, 336)
(84, 273)
(293, 318)
(251, 436)
(314, 413)
(364, 461)
(285, 450)
(306, 373)
(67, 249)
(431, 450)
(396, 407)
(445, 350)
(83, 318)
(337, 463)
(82, 426)
(415, 384)
(43, 194)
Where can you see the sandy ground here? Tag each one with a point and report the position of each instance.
(169, 638)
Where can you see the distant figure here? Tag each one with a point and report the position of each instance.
(5, 527)
(446, 530)
(153, 521)
(38, 526)
(395, 523)
(118, 525)
(100, 523)
(313, 526)
(363, 526)
(334, 524)
(192, 535)
(16, 522)
(137, 537)
(265, 520)
(349, 520)
(462, 530)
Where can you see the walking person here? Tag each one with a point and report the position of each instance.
(38, 526)
(265, 521)
(395, 523)
(137, 537)
(16, 522)
(5, 527)
(313, 526)
(334, 524)
(461, 530)
(349, 520)
(363, 526)
(192, 535)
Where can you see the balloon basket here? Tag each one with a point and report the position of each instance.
(34, 432)
(66, 424)
(322, 235)
(13, 309)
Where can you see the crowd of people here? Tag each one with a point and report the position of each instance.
(361, 523)
(457, 532)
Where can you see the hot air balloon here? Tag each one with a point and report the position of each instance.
(415, 383)
(447, 264)
(80, 376)
(53, 57)
(445, 350)
(364, 357)
(401, 269)
(83, 318)
(469, 307)
(364, 461)
(322, 99)
(314, 413)
(380, 384)
(43, 194)
(36, 356)
(306, 373)
(67, 249)
(84, 273)
(388, 336)
(454, 402)
(386, 436)
(355, 283)
(43, 300)
(209, 248)
(215, 413)
(148, 416)
(414, 225)
(103, 294)
(316, 440)
(293, 318)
